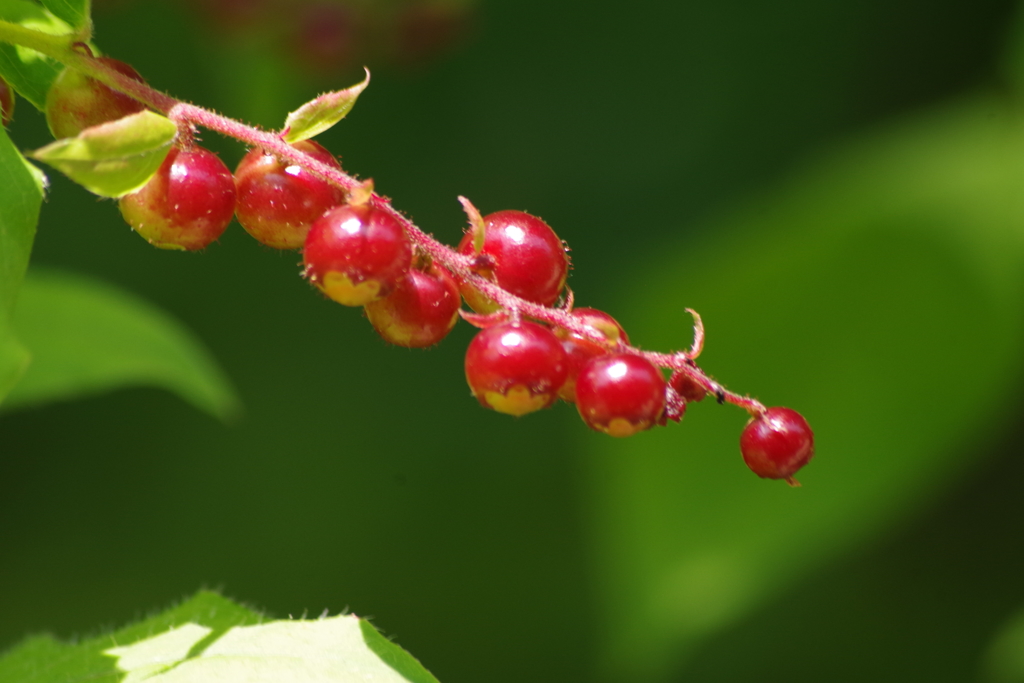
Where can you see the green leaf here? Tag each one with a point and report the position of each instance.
(87, 337)
(209, 638)
(21, 195)
(29, 72)
(116, 158)
(316, 116)
(878, 293)
(1004, 659)
(42, 659)
(74, 12)
(395, 657)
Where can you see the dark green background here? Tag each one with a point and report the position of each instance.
(363, 476)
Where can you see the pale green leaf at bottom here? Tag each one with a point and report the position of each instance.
(209, 639)
(331, 650)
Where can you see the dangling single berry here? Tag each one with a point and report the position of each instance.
(356, 254)
(278, 201)
(515, 368)
(777, 444)
(579, 349)
(620, 394)
(187, 204)
(420, 312)
(76, 102)
(527, 259)
(6, 103)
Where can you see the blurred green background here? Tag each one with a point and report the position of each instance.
(837, 187)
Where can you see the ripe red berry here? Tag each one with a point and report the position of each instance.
(356, 254)
(187, 204)
(528, 259)
(6, 103)
(76, 102)
(579, 349)
(420, 312)
(777, 444)
(277, 201)
(620, 394)
(515, 368)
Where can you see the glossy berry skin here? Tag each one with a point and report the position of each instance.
(187, 204)
(420, 312)
(777, 444)
(515, 368)
(278, 201)
(579, 350)
(620, 394)
(76, 102)
(6, 103)
(528, 259)
(356, 254)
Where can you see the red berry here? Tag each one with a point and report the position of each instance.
(420, 312)
(528, 259)
(356, 254)
(76, 102)
(515, 368)
(620, 394)
(689, 390)
(777, 444)
(187, 204)
(277, 201)
(579, 349)
(6, 103)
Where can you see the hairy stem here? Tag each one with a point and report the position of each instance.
(62, 48)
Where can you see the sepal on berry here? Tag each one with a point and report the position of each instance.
(476, 224)
(316, 116)
(362, 193)
(485, 320)
(116, 158)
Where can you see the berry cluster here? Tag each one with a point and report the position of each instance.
(534, 347)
